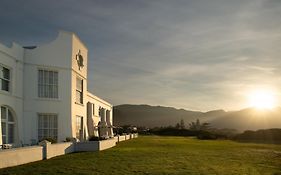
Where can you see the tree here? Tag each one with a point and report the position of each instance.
(205, 126)
(198, 126)
(178, 126)
(182, 125)
(194, 125)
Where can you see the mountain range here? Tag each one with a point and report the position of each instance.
(157, 116)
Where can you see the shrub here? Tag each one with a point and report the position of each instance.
(174, 132)
(70, 139)
(49, 139)
(205, 135)
(94, 138)
(263, 135)
(102, 138)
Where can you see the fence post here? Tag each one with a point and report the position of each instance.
(45, 145)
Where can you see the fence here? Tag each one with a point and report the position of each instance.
(46, 150)
(95, 145)
(53, 150)
(121, 138)
(18, 156)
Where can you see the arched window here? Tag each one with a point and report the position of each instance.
(7, 125)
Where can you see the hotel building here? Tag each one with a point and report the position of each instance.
(43, 94)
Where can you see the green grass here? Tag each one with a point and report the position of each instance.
(164, 155)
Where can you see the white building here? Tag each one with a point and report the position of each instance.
(43, 94)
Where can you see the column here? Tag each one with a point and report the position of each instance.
(109, 125)
(103, 125)
(90, 121)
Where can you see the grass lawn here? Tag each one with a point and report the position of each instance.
(164, 155)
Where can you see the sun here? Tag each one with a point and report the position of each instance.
(262, 99)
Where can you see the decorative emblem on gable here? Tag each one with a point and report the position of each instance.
(80, 60)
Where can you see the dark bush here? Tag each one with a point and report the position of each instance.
(205, 135)
(49, 139)
(200, 134)
(174, 132)
(94, 138)
(70, 139)
(263, 135)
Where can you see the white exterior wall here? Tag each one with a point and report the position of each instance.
(12, 58)
(53, 56)
(79, 109)
(98, 103)
(23, 100)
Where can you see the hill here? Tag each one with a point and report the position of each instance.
(151, 116)
(249, 119)
(157, 116)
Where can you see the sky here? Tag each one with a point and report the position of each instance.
(191, 54)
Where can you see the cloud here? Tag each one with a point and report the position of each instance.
(196, 54)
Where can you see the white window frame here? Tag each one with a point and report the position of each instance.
(47, 89)
(79, 91)
(5, 79)
(51, 130)
(7, 123)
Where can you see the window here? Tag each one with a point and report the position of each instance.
(93, 109)
(100, 108)
(79, 127)
(79, 90)
(47, 84)
(7, 125)
(47, 126)
(4, 78)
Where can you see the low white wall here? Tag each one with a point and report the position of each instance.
(105, 144)
(58, 149)
(18, 156)
(121, 138)
(95, 145)
(127, 137)
(116, 139)
(87, 146)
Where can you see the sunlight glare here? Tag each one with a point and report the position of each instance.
(262, 99)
